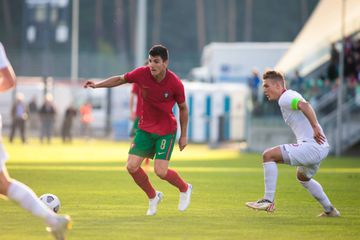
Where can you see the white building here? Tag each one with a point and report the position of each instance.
(234, 62)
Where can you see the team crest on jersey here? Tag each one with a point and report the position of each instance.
(166, 95)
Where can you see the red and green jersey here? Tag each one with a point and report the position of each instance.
(135, 90)
(158, 99)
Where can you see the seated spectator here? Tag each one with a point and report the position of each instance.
(332, 71)
(298, 82)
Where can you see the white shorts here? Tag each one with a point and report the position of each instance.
(306, 155)
(3, 156)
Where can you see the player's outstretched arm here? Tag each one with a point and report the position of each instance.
(7, 74)
(7, 78)
(107, 83)
(184, 116)
(310, 114)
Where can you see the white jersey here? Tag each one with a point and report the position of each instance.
(3, 155)
(4, 62)
(0, 127)
(296, 119)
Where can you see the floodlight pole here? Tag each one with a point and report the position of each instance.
(140, 36)
(341, 83)
(75, 44)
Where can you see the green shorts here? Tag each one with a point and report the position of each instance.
(135, 127)
(149, 145)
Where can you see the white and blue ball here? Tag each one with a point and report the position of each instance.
(51, 201)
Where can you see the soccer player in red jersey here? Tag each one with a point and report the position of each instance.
(135, 112)
(135, 115)
(160, 90)
(15, 190)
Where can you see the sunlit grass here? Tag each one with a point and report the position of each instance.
(90, 179)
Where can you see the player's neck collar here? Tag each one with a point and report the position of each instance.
(163, 80)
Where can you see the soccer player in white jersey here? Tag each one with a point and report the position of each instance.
(311, 147)
(17, 191)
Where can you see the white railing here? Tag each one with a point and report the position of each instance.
(350, 125)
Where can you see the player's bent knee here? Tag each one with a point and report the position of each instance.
(301, 177)
(161, 173)
(4, 185)
(267, 155)
(131, 168)
(3, 191)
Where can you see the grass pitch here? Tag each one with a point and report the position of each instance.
(94, 188)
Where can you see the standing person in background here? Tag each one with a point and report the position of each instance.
(298, 82)
(33, 114)
(253, 83)
(311, 148)
(19, 114)
(66, 128)
(47, 114)
(17, 191)
(135, 114)
(86, 119)
(160, 90)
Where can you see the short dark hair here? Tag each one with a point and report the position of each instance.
(159, 50)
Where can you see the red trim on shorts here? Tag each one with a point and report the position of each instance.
(168, 152)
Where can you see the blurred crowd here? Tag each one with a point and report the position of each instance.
(31, 117)
(314, 88)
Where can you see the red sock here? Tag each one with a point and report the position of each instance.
(174, 178)
(142, 180)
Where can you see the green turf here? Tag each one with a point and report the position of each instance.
(94, 188)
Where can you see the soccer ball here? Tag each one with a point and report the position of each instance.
(51, 201)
